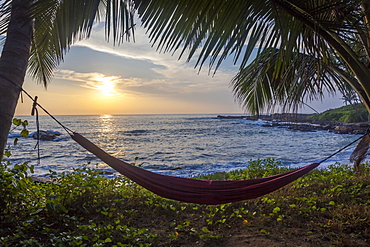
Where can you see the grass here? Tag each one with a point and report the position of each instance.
(347, 114)
(327, 207)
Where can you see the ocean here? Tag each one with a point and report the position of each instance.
(179, 145)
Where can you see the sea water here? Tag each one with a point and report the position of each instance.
(179, 145)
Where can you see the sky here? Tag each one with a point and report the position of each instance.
(98, 78)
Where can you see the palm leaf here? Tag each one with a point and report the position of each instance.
(5, 8)
(59, 24)
(360, 152)
(221, 28)
(300, 78)
(218, 28)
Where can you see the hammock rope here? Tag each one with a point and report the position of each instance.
(191, 190)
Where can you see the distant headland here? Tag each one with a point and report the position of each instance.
(350, 119)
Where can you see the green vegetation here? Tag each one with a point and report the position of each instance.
(328, 207)
(347, 114)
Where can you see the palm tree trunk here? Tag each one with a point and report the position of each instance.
(13, 65)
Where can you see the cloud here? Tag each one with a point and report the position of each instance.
(139, 69)
(107, 85)
(174, 83)
(166, 66)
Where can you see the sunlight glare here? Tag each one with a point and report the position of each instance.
(106, 116)
(107, 86)
(106, 123)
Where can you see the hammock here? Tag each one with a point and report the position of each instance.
(195, 190)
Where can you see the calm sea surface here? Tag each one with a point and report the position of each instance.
(198, 144)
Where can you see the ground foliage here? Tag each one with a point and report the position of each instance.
(328, 207)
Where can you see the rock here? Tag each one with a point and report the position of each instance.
(342, 129)
(231, 117)
(358, 132)
(40, 179)
(362, 125)
(46, 135)
(305, 128)
(175, 168)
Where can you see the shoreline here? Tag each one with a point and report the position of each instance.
(301, 122)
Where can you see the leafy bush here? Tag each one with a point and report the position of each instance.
(82, 208)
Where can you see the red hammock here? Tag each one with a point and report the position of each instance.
(196, 190)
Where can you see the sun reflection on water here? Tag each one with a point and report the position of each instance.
(105, 116)
(107, 134)
(106, 123)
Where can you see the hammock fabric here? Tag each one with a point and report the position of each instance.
(195, 190)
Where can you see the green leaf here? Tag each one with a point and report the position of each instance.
(25, 123)
(50, 206)
(17, 121)
(24, 133)
(32, 168)
(276, 210)
(205, 229)
(61, 207)
(37, 211)
(15, 141)
(264, 232)
(7, 153)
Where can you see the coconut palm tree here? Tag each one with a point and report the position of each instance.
(351, 98)
(17, 46)
(39, 33)
(304, 47)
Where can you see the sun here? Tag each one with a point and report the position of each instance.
(107, 86)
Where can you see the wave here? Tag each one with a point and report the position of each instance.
(258, 122)
(15, 135)
(134, 132)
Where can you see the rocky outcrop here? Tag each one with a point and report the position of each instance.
(232, 117)
(352, 128)
(46, 135)
(337, 128)
(301, 122)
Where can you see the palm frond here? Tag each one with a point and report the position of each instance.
(222, 28)
(59, 24)
(119, 19)
(360, 152)
(5, 8)
(218, 28)
(300, 78)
